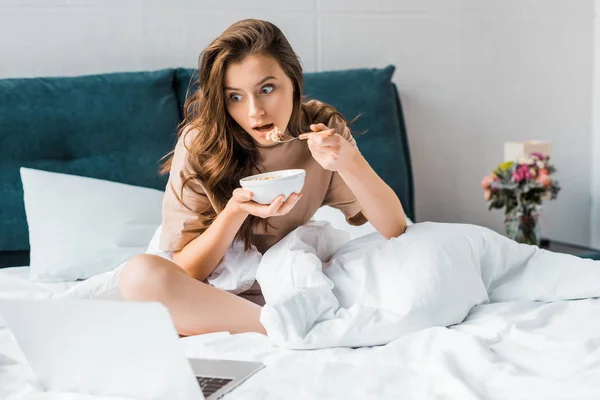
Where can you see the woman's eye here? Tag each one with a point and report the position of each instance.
(267, 89)
(235, 97)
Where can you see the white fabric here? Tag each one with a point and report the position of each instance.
(338, 220)
(104, 286)
(371, 291)
(236, 272)
(514, 350)
(15, 283)
(80, 227)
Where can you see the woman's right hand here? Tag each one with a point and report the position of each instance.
(241, 201)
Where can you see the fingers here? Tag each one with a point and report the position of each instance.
(262, 210)
(318, 127)
(320, 137)
(275, 205)
(329, 140)
(289, 203)
(318, 131)
(278, 207)
(242, 195)
(281, 207)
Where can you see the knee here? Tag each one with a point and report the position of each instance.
(144, 278)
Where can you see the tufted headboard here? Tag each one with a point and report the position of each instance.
(117, 127)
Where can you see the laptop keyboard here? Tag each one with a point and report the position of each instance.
(211, 385)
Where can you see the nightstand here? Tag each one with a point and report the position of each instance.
(576, 250)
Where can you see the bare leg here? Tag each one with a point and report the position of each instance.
(195, 307)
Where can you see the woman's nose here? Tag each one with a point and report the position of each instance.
(255, 108)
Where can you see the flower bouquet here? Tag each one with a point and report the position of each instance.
(520, 187)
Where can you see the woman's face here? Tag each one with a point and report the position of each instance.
(259, 96)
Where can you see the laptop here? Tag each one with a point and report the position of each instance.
(115, 348)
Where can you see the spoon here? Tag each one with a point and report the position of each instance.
(303, 136)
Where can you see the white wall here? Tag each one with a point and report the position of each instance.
(595, 182)
(472, 74)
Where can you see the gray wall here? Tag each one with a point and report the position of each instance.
(595, 147)
(473, 74)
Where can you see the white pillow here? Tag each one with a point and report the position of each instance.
(80, 227)
(337, 219)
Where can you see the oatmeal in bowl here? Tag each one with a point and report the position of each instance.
(267, 186)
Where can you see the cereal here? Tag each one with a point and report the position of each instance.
(275, 135)
(266, 178)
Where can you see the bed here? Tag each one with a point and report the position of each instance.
(507, 350)
(516, 350)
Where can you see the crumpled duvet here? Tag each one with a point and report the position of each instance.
(324, 291)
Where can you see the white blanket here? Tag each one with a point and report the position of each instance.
(371, 291)
(517, 350)
(323, 290)
(511, 350)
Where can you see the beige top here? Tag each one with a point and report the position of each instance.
(181, 220)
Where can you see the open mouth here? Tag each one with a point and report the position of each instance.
(263, 128)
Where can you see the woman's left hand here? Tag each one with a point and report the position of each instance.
(330, 149)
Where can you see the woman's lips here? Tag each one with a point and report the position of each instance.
(264, 128)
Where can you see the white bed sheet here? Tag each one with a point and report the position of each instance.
(15, 283)
(513, 350)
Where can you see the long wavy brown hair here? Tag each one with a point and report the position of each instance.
(222, 152)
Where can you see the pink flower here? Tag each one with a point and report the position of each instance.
(488, 180)
(537, 155)
(487, 194)
(522, 173)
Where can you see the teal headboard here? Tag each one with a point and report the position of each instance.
(117, 127)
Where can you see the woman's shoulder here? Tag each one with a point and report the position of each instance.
(319, 112)
(188, 135)
(180, 160)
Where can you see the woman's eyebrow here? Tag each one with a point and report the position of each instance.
(258, 84)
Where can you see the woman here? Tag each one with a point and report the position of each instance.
(250, 82)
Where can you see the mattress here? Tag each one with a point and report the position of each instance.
(516, 350)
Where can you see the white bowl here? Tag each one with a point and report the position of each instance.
(284, 182)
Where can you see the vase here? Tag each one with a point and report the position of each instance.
(522, 226)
